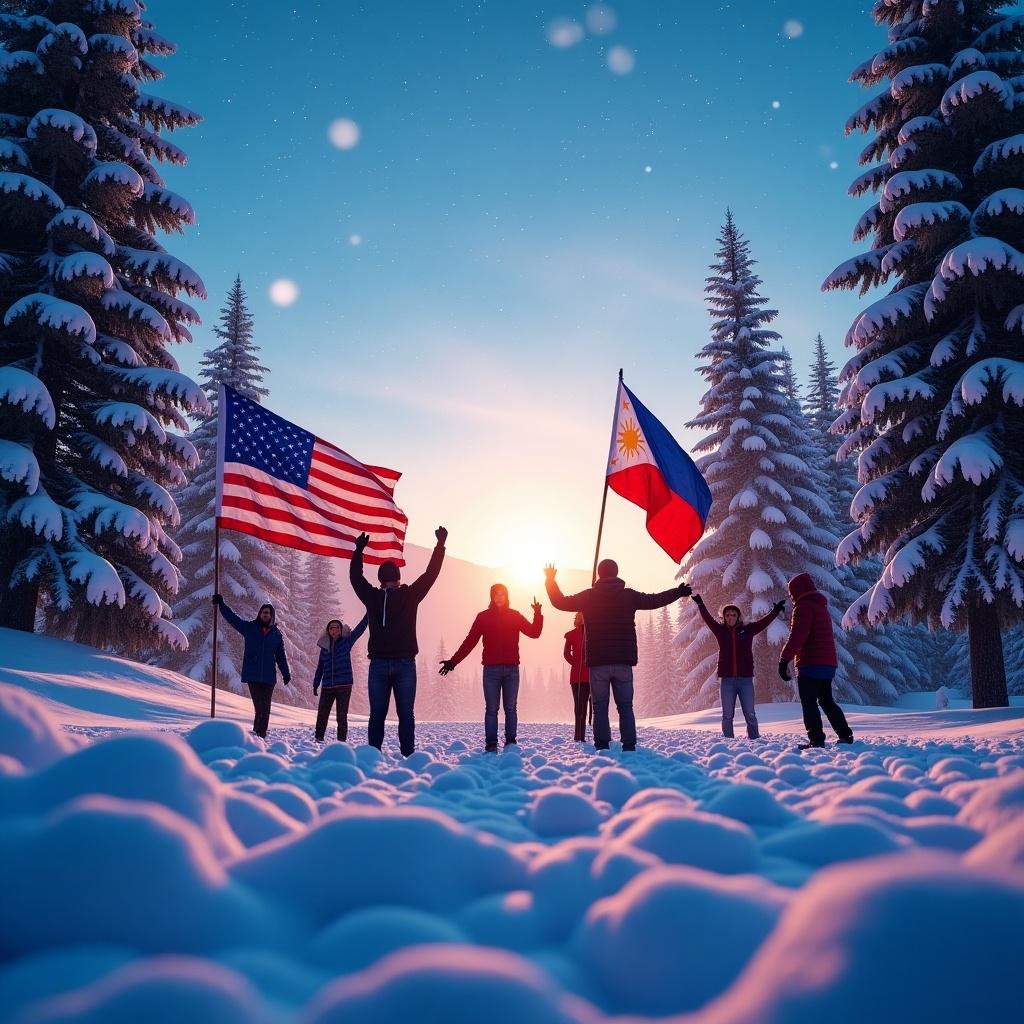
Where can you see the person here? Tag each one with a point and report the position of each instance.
(391, 612)
(579, 677)
(499, 626)
(334, 675)
(813, 646)
(609, 610)
(736, 660)
(262, 655)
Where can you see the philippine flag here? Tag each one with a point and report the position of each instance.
(647, 467)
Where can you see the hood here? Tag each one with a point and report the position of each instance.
(802, 585)
(273, 614)
(611, 583)
(325, 640)
(499, 588)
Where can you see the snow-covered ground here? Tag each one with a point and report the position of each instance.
(159, 866)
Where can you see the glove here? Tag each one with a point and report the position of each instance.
(784, 671)
(316, 690)
(287, 680)
(217, 599)
(447, 666)
(697, 599)
(361, 541)
(685, 590)
(779, 606)
(441, 534)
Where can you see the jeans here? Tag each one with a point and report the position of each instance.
(500, 681)
(261, 694)
(742, 687)
(387, 674)
(819, 691)
(618, 679)
(580, 703)
(338, 696)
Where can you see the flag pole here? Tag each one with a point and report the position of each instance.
(217, 507)
(604, 494)
(216, 617)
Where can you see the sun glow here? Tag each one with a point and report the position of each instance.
(523, 559)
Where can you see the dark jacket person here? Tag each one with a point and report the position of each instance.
(262, 654)
(334, 674)
(609, 610)
(391, 613)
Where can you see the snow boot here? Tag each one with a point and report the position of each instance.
(491, 748)
(846, 739)
(810, 746)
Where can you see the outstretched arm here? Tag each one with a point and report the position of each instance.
(421, 587)
(472, 639)
(572, 603)
(764, 622)
(233, 620)
(648, 602)
(709, 620)
(360, 585)
(358, 630)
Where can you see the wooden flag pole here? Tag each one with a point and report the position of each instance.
(604, 495)
(216, 618)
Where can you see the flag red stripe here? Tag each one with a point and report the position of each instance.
(264, 484)
(289, 540)
(302, 526)
(337, 459)
(374, 492)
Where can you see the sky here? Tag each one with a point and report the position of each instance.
(472, 214)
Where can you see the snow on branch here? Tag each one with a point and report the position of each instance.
(904, 183)
(974, 257)
(53, 314)
(905, 389)
(889, 310)
(18, 465)
(975, 384)
(12, 183)
(102, 584)
(970, 87)
(917, 215)
(1002, 149)
(38, 513)
(975, 456)
(128, 414)
(26, 391)
(111, 514)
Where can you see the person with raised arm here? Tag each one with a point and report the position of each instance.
(499, 626)
(391, 613)
(334, 675)
(610, 652)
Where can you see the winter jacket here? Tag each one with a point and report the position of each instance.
(392, 612)
(573, 653)
(262, 648)
(735, 644)
(811, 640)
(500, 629)
(335, 665)
(609, 608)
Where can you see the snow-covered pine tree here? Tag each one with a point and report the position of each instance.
(660, 680)
(884, 663)
(767, 488)
(934, 397)
(790, 384)
(92, 406)
(250, 569)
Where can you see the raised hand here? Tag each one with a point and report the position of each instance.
(697, 599)
(685, 590)
(779, 606)
(536, 606)
(549, 571)
(217, 599)
(447, 666)
(361, 541)
(441, 534)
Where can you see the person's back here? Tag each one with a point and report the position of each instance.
(609, 610)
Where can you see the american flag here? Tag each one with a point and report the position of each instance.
(282, 484)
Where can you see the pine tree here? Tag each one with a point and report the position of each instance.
(934, 397)
(882, 662)
(92, 406)
(250, 570)
(766, 486)
(790, 384)
(313, 602)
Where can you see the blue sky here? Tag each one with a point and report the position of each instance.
(514, 249)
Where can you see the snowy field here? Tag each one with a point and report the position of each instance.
(159, 866)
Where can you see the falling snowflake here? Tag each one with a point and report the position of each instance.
(601, 19)
(283, 292)
(833, 165)
(648, 169)
(344, 133)
(564, 32)
(621, 60)
(793, 28)
(355, 239)
(776, 104)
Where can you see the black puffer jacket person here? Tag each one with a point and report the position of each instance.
(609, 610)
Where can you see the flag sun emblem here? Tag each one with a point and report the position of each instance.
(630, 441)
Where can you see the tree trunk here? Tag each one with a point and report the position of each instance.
(988, 673)
(17, 604)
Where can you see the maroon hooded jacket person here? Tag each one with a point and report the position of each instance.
(579, 676)
(813, 646)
